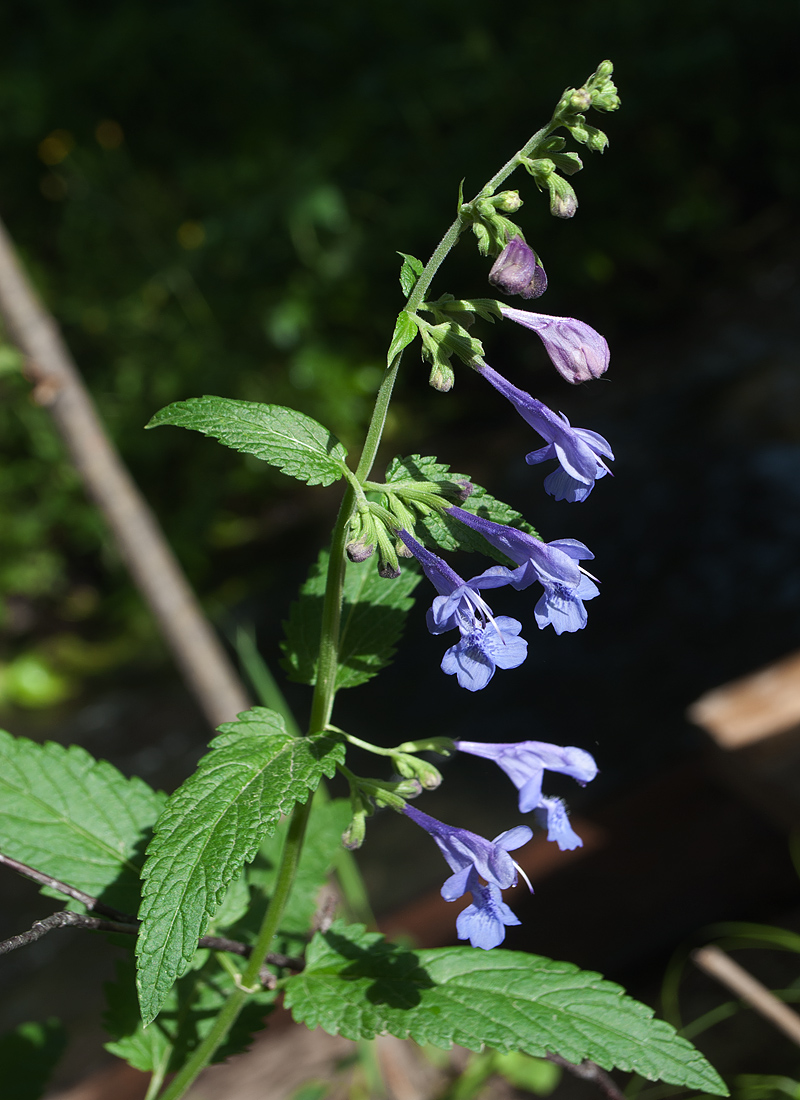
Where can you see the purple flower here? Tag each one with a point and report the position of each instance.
(525, 763)
(576, 350)
(553, 564)
(578, 450)
(518, 270)
(483, 922)
(486, 642)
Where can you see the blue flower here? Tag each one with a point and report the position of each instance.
(486, 642)
(553, 564)
(580, 452)
(525, 763)
(472, 858)
(576, 350)
(465, 851)
(484, 922)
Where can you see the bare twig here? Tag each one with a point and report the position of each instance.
(140, 541)
(65, 918)
(589, 1071)
(118, 922)
(721, 966)
(65, 888)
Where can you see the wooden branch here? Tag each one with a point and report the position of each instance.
(139, 539)
(741, 982)
(117, 922)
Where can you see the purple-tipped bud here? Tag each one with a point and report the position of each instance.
(467, 489)
(518, 270)
(576, 350)
(389, 571)
(359, 551)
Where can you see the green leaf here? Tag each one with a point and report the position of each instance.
(447, 533)
(357, 985)
(405, 330)
(75, 818)
(28, 1055)
(188, 1014)
(210, 827)
(373, 616)
(290, 440)
(410, 272)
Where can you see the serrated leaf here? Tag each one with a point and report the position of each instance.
(75, 818)
(405, 330)
(28, 1056)
(357, 985)
(188, 1014)
(410, 272)
(447, 533)
(373, 616)
(295, 443)
(210, 827)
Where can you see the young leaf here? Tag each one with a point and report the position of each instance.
(447, 533)
(188, 1014)
(290, 440)
(210, 827)
(28, 1055)
(404, 332)
(357, 985)
(75, 818)
(373, 615)
(410, 272)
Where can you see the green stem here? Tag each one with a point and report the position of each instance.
(203, 1054)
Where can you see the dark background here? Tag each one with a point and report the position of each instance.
(235, 232)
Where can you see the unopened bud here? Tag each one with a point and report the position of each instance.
(507, 201)
(518, 270)
(353, 836)
(359, 551)
(563, 200)
(580, 100)
(442, 377)
(467, 489)
(388, 570)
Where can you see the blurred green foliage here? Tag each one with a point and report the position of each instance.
(210, 197)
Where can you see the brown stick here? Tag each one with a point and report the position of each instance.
(141, 544)
(741, 982)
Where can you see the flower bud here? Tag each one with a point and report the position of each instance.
(507, 201)
(410, 767)
(442, 377)
(518, 270)
(353, 836)
(563, 200)
(359, 550)
(580, 100)
(388, 570)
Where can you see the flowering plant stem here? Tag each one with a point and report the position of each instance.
(328, 661)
